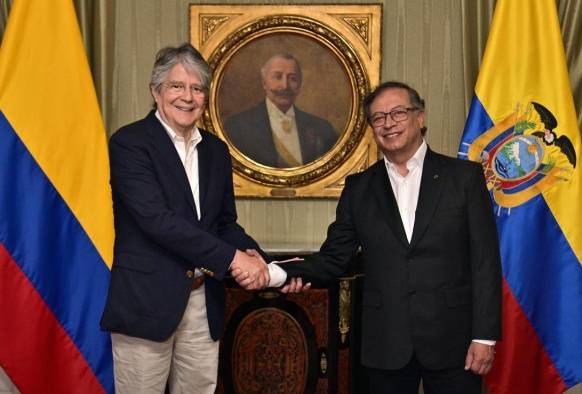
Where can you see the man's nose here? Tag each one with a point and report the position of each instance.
(187, 95)
(388, 121)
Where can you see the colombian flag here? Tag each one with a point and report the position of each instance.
(56, 220)
(522, 127)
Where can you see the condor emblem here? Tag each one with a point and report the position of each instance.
(523, 155)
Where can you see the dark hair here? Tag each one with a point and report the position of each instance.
(415, 100)
(188, 56)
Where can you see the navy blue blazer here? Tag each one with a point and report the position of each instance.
(158, 236)
(432, 295)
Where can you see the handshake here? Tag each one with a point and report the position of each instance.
(251, 272)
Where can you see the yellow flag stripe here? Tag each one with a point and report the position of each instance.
(55, 112)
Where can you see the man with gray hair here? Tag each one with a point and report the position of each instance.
(176, 237)
(276, 133)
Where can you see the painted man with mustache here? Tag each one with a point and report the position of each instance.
(276, 133)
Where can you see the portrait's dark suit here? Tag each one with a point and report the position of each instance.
(159, 240)
(250, 131)
(431, 296)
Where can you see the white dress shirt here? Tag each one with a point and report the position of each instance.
(406, 187)
(284, 127)
(188, 152)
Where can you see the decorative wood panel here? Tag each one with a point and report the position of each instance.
(276, 343)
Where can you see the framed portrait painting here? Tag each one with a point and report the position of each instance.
(287, 92)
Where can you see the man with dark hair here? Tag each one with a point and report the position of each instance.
(276, 133)
(429, 249)
(176, 236)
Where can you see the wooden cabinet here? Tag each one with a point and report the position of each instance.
(297, 343)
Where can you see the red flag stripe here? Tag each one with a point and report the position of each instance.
(521, 347)
(33, 338)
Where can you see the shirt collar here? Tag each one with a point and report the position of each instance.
(415, 161)
(273, 110)
(195, 138)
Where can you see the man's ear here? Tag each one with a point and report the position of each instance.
(420, 119)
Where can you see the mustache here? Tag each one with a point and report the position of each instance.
(283, 92)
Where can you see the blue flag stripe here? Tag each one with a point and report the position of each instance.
(548, 286)
(52, 249)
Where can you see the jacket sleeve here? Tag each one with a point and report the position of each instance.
(228, 228)
(485, 260)
(338, 249)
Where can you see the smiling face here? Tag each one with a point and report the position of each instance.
(397, 140)
(179, 110)
(282, 82)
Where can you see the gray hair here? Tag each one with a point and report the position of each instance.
(188, 56)
(286, 56)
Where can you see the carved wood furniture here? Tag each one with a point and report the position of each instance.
(295, 343)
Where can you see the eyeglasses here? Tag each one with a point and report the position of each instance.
(180, 88)
(378, 119)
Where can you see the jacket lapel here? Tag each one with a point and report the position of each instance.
(431, 186)
(204, 168)
(387, 202)
(305, 147)
(268, 154)
(162, 142)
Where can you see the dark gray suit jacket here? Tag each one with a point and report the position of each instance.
(431, 296)
(158, 236)
(250, 131)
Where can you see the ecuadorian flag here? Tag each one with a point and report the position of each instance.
(56, 220)
(522, 127)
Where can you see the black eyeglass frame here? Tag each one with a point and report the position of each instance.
(378, 119)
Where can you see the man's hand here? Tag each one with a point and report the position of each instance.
(479, 358)
(295, 285)
(250, 270)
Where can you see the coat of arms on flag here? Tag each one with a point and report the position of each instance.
(523, 155)
(522, 127)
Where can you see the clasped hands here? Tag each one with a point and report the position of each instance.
(252, 273)
(250, 270)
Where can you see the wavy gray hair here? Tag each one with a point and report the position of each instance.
(188, 56)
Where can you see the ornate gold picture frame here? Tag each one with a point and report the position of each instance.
(337, 52)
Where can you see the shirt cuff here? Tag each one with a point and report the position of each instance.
(277, 274)
(485, 342)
